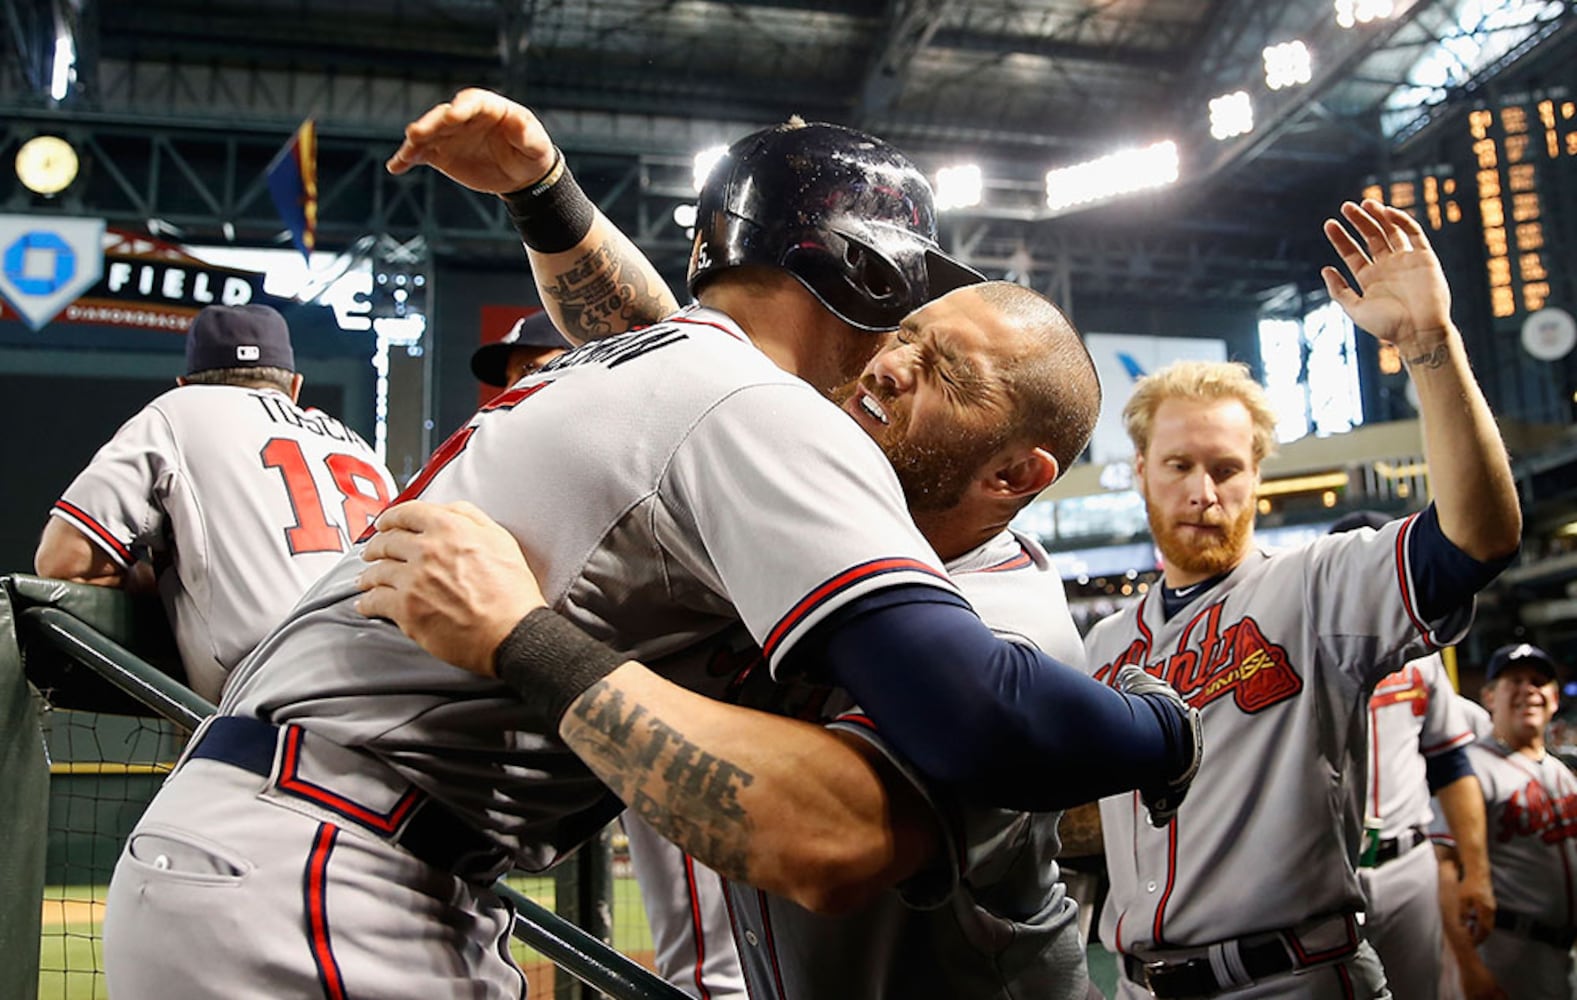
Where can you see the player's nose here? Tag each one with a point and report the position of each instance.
(1202, 490)
(895, 367)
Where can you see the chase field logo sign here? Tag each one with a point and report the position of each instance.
(46, 262)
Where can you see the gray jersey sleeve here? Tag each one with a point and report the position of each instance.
(114, 499)
(759, 515)
(1361, 599)
(1446, 724)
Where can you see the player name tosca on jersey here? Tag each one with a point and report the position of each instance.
(314, 421)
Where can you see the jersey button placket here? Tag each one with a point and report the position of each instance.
(750, 938)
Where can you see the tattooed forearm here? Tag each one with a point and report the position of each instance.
(1434, 358)
(605, 293)
(688, 795)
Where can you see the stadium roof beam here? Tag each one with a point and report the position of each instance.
(907, 27)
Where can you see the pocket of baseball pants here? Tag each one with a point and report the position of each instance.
(179, 854)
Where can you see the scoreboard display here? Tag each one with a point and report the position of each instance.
(1511, 193)
(1517, 149)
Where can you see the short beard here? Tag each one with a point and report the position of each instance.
(1211, 559)
(935, 478)
(935, 475)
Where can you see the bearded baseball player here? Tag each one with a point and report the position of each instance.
(1252, 889)
(1531, 798)
(241, 497)
(356, 794)
(1418, 737)
(1002, 924)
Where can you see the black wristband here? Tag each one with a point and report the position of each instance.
(554, 214)
(549, 663)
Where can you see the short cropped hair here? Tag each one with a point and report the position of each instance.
(1056, 392)
(1200, 381)
(249, 377)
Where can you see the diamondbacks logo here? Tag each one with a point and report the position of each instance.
(1236, 661)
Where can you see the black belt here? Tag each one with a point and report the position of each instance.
(432, 833)
(1535, 930)
(1391, 847)
(1262, 956)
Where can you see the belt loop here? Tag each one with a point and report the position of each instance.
(1227, 964)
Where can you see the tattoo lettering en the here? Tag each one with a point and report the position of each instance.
(687, 795)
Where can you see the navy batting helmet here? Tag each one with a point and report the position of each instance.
(845, 213)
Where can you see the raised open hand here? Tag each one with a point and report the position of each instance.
(1401, 294)
(479, 139)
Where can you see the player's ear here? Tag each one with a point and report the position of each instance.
(180, 380)
(1023, 472)
(295, 386)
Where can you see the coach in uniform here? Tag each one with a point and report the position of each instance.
(1251, 891)
(1531, 798)
(356, 794)
(242, 498)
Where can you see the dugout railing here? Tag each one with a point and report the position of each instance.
(64, 651)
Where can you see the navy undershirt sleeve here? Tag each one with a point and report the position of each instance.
(995, 721)
(1444, 577)
(1443, 769)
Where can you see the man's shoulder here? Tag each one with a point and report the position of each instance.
(1120, 623)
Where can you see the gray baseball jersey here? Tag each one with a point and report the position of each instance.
(1413, 714)
(666, 484)
(1531, 826)
(250, 496)
(1280, 657)
(657, 510)
(993, 919)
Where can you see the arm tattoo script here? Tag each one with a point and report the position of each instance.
(687, 795)
(604, 293)
(1434, 358)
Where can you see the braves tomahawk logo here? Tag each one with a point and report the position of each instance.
(1237, 660)
(1532, 812)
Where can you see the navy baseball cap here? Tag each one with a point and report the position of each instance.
(249, 336)
(1521, 653)
(490, 362)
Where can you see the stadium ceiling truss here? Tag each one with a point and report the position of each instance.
(179, 105)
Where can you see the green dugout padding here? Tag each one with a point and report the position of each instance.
(26, 664)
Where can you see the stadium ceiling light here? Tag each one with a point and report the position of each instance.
(1287, 64)
(1109, 176)
(959, 186)
(1355, 12)
(705, 160)
(46, 164)
(1231, 114)
(63, 72)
